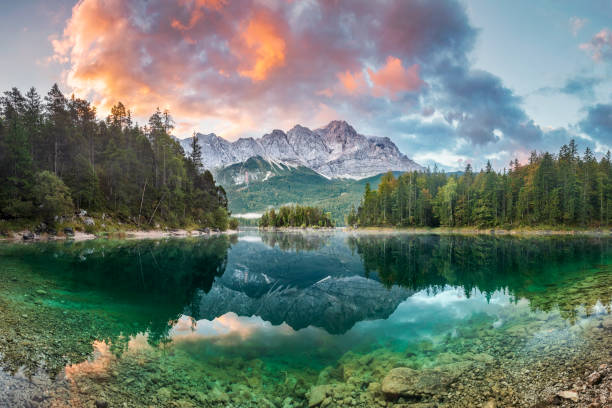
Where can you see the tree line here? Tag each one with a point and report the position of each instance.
(488, 264)
(296, 216)
(57, 157)
(565, 189)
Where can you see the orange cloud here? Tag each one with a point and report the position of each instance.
(262, 49)
(353, 83)
(230, 67)
(197, 12)
(393, 79)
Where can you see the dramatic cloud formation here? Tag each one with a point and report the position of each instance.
(600, 46)
(390, 67)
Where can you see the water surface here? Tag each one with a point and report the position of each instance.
(274, 319)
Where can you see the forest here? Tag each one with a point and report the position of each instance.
(56, 158)
(296, 216)
(563, 190)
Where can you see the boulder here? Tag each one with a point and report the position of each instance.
(400, 381)
(594, 378)
(570, 395)
(28, 236)
(406, 382)
(68, 231)
(317, 395)
(89, 221)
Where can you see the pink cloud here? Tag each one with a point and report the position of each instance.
(353, 83)
(600, 46)
(393, 79)
(243, 66)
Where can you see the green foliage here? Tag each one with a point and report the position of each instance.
(296, 216)
(286, 185)
(551, 190)
(233, 223)
(52, 195)
(55, 151)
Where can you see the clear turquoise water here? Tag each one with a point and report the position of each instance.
(259, 319)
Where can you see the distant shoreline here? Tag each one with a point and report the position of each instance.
(476, 231)
(296, 229)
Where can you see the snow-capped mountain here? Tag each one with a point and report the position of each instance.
(333, 151)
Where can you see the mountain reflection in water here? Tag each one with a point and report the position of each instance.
(296, 301)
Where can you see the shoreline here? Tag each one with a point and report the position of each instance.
(475, 231)
(18, 236)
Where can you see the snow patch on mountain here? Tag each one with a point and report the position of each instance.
(334, 151)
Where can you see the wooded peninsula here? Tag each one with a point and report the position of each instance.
(57, 158)
(550, 191)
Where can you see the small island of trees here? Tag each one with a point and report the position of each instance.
(296, 216)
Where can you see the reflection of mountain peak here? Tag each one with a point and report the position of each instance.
(333, 303)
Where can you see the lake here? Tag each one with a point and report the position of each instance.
(272, 319)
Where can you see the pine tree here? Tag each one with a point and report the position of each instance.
(196, 153)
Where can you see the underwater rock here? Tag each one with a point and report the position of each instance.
(570, 395)
(317, 395)
(101, 404)
(406, 382)
(594, 378)
(400, 382)
(489, 404)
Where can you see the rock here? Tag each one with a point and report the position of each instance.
(374, 388)
(41, 292)
(216, 395)
(89, 221)
(317, 395)
(68, 231)
(399, 381)
(594, 378)
(489, 404)
(406, 382)
(335, 150)
(570, 395)
(28, 236)
(101, 404)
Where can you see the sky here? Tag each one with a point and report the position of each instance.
(451, 82)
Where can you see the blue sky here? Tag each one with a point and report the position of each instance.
(450, 81)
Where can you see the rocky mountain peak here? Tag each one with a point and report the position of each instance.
(336, 150)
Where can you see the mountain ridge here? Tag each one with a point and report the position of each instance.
(334, 151)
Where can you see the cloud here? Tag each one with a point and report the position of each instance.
(576, 24)
(353, 83)
(393, 79)
(244, 67)
(600, 46)
(598, 123)
(581, 86)
(261, 47)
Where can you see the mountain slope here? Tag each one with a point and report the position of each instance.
(291, 185)
(334, 151)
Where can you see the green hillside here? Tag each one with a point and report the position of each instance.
(285, 185)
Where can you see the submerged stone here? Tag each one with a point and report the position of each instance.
(318, 395)
(570, 395)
